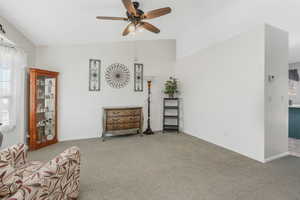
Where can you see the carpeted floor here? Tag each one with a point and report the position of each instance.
(176, 167)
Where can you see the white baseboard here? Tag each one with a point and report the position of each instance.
(93, 137)
(276, 157)
(75, 139)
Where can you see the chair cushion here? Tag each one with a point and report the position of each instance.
(14, 155)
(28, 169)
(10, 181)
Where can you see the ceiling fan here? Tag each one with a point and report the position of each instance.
(136, 16)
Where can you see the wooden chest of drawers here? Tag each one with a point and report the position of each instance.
(122, 120)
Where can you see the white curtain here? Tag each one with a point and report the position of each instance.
(12, 72)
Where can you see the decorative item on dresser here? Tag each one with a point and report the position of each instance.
(122, 120)
(171, 112)
(42, 108)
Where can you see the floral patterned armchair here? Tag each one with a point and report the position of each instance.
(21, 179)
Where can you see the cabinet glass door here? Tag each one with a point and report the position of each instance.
(45, 109)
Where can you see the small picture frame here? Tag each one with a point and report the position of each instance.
(138, 77)
(94, 75)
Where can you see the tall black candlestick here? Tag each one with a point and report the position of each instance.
(149, 131)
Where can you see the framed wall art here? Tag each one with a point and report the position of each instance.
(138, 77)
(94, 75)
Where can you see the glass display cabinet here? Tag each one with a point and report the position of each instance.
(42, 108)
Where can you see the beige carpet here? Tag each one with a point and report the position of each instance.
(176, 167)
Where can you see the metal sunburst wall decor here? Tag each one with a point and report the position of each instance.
(117, 76)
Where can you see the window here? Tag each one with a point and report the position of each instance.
(12, 73)
(5, 95)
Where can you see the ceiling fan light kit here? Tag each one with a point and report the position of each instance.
(136, 16)
(132, 28)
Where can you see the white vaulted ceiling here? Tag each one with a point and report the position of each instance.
(49, 22)
(196, 24)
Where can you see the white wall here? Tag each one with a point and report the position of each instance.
(276, 95)
(22, 42)
(223, 93)
(232, 18)
(80, 112)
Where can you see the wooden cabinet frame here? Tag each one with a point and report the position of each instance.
(33, 75)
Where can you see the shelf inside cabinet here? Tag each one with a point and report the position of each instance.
(171, 116)
(171, 107)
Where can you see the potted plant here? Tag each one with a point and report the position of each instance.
(171, 87)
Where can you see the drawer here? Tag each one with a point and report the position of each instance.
(124, 126)
(129, 119)
(117, 113)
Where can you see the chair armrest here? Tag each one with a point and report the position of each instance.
(57, 179)
(15, 155)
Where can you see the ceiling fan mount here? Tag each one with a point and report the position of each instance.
(136, 4)
(135, 19)
(139, 12)
(137, 16)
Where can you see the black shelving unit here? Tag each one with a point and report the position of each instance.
(167, 127)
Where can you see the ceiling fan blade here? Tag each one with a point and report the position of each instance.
(112, 18)
(149, 27)
(157, 13)
(127, 29)
(129, 7)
